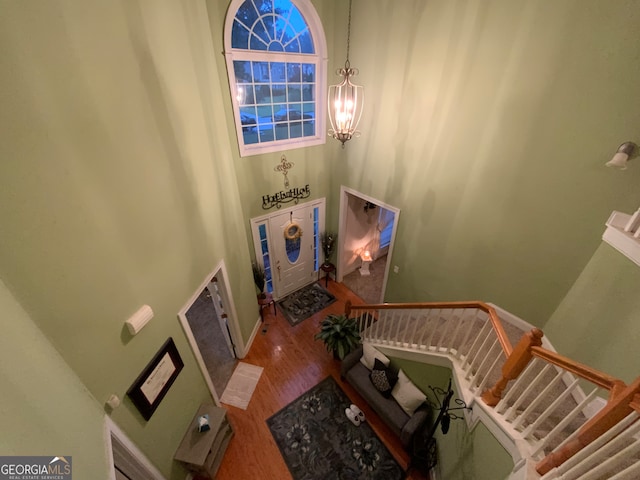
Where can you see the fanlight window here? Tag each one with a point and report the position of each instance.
(276, 68)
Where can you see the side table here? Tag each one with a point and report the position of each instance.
(265, 302)
(327, 268)
(202, 452)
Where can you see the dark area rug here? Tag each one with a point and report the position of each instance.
(317, 440)
(303, 303)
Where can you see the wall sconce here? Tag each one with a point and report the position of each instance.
(139, 319)
(622, 156)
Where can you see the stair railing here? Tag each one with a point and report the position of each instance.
(529, 385)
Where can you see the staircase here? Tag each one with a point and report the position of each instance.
(557, 418)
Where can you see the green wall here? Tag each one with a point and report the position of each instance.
(46, 410)
(116, 191)
(462, 454)
(488, 124)
(602, 304)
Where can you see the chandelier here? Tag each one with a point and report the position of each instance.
(345, 100)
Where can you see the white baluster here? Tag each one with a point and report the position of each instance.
(563, 424)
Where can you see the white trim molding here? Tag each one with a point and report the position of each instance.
(623, 241)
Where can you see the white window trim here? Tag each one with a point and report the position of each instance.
(320, 43)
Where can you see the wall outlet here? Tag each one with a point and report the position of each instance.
(396, 269)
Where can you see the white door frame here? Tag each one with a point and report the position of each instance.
(111, 429)
(220, 272)
(256, 221)
(342, 228)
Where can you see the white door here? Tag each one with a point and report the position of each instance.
(221, 316)
(292, 250)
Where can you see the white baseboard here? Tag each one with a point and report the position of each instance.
(256, 328)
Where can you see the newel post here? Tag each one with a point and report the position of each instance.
(515, 364)
(347, 308)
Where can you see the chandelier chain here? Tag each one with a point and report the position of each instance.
(349, 34)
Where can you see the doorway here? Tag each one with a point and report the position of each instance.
(365, 244)
(208, 320)
(127, 461)
(287, 245)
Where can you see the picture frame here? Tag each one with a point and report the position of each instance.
(151, 386)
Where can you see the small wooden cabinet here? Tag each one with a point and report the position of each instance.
(202, 452)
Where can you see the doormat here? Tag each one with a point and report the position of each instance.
(318, 441)
(241, 385)
(303, 303)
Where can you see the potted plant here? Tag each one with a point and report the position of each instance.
(340, 334)
(259, 278)
(328, 241)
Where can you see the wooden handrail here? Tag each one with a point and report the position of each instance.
(583, 371)
(623, 399)
(617, 408)
(507, 348)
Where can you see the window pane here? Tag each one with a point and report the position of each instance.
(308, 72)
(295, 93)
(265, 114)
(293, 46)
(249, 135)
(278, 72)
(244, 94)
(293, 72)
(248, 116)
(242, 71)
(279, 93)
(239, 36)
(309, 128)
(296, 129)
(263, 94)
(306, 43)
(260, 72)
(260, 33)
(293, 249)
(308, 93)
(266, 132)
(282, 131)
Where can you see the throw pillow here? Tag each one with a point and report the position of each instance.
(408, 396)
(369, 354)
(383, 378)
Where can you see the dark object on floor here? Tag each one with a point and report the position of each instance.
(387, 408)
(317, 440)
(303, 303)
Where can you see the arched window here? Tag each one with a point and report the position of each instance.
(276, 62)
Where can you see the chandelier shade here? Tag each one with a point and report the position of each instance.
(345, 104)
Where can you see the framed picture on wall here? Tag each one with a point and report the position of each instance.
(154, 382)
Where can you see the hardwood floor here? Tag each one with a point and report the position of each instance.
(293, 363)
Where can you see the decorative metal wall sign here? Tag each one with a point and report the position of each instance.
(284, 167)
(292, 195)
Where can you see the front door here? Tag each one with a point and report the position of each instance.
(292, 235)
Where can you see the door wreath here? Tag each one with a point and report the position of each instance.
(292, 231)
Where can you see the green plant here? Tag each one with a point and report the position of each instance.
(328, 242)
(340, 334)
(259, 276)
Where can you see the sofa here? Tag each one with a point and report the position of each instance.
(404, 421)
